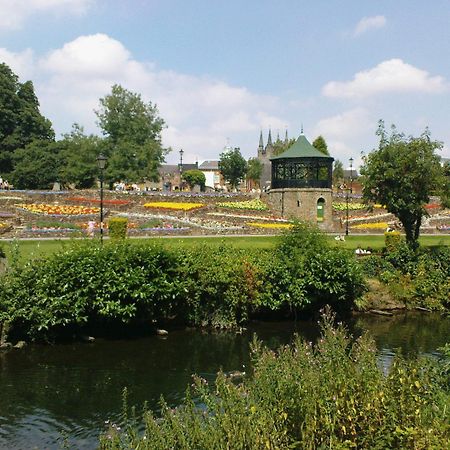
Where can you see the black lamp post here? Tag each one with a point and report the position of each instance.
(181, 169)
(346, 197)
(101, 163)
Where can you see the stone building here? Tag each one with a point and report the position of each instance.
(265, 153)
(301, 184)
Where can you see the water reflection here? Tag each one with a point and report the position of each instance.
(49, 394)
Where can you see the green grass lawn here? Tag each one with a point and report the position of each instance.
(34, 249)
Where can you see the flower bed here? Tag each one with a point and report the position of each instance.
(338, 206)
(270, 225)
(368, 226)
(58, 210)
(97, 201)
(254, 205)
(179, 206)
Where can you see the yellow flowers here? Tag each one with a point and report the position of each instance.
(255, 205)
(375, 225)
(174, 205)
(269, 225)
(58, 209)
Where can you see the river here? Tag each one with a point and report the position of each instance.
(63, 395)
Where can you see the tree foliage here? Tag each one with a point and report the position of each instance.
(233, 166)
(254, 170)
(338, 171)
(194, 177)
(20, 119)
(402, 174)
(133, 130)
(281, 146)
(321, 145)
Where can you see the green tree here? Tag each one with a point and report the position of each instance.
(402, 174)
(281, 146)
(194, 177)
(20, 119)
(133, 130)
(233, 166)
(321, 145)
(36, 166)
(78, 158)
(338, 171)
(254, 170)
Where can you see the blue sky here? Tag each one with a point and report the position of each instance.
(221, 70)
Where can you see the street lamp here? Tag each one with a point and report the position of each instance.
(101, 163)
(181, 169)
(346, 197)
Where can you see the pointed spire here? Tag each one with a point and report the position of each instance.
(261, 142)
(286, 139)
(301, 132)
(269, 138)
(278, 136)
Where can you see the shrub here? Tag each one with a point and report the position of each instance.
(328, 395)
(118, 227)
(392, 240)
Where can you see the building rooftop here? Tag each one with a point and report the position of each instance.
(209, 165)
(301, 149)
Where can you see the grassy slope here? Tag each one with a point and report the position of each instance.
(33, 249)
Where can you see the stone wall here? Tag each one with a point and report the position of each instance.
(302, 204)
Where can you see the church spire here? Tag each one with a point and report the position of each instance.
(286, 139)
(269, 139)
(261, 144)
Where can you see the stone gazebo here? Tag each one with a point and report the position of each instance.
(301, 184)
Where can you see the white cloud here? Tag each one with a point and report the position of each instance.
(344, 132)
(369, 23)
(392, 76)
(21, 63)
(14, 13)
(201, 112)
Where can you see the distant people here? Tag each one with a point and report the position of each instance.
(91, 228)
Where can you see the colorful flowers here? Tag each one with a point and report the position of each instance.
(174, 205)
(270, 225)
(338, 206)
(374, 225)
(58, 210)
(255, 205)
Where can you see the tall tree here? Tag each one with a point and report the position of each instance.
(36, 166)
(338, 171)
(20, 119)
(133, 129)
(254, 170)
(402, 174)
(78, 158)
(321, 145)
(233, 166)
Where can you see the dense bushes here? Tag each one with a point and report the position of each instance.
(328, 395)
(415, 277)
(124, 282)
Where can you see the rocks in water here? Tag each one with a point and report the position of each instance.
(381, 312)
(161, 332)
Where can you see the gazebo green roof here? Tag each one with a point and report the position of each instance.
(301, 149)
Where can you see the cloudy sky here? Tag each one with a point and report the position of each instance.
(221, 71)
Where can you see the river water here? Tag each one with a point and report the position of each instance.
(63, 395)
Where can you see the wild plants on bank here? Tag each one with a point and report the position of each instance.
(330, 394)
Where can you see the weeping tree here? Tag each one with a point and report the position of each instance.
(402, 173)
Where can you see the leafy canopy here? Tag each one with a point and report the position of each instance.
(321, 145)
(20, 119)
(233, 166)
(402, 174)
(254, 170)
(133, 130)
(194, 177)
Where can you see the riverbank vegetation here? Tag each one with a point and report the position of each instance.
(331, 394)
(87, 288)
